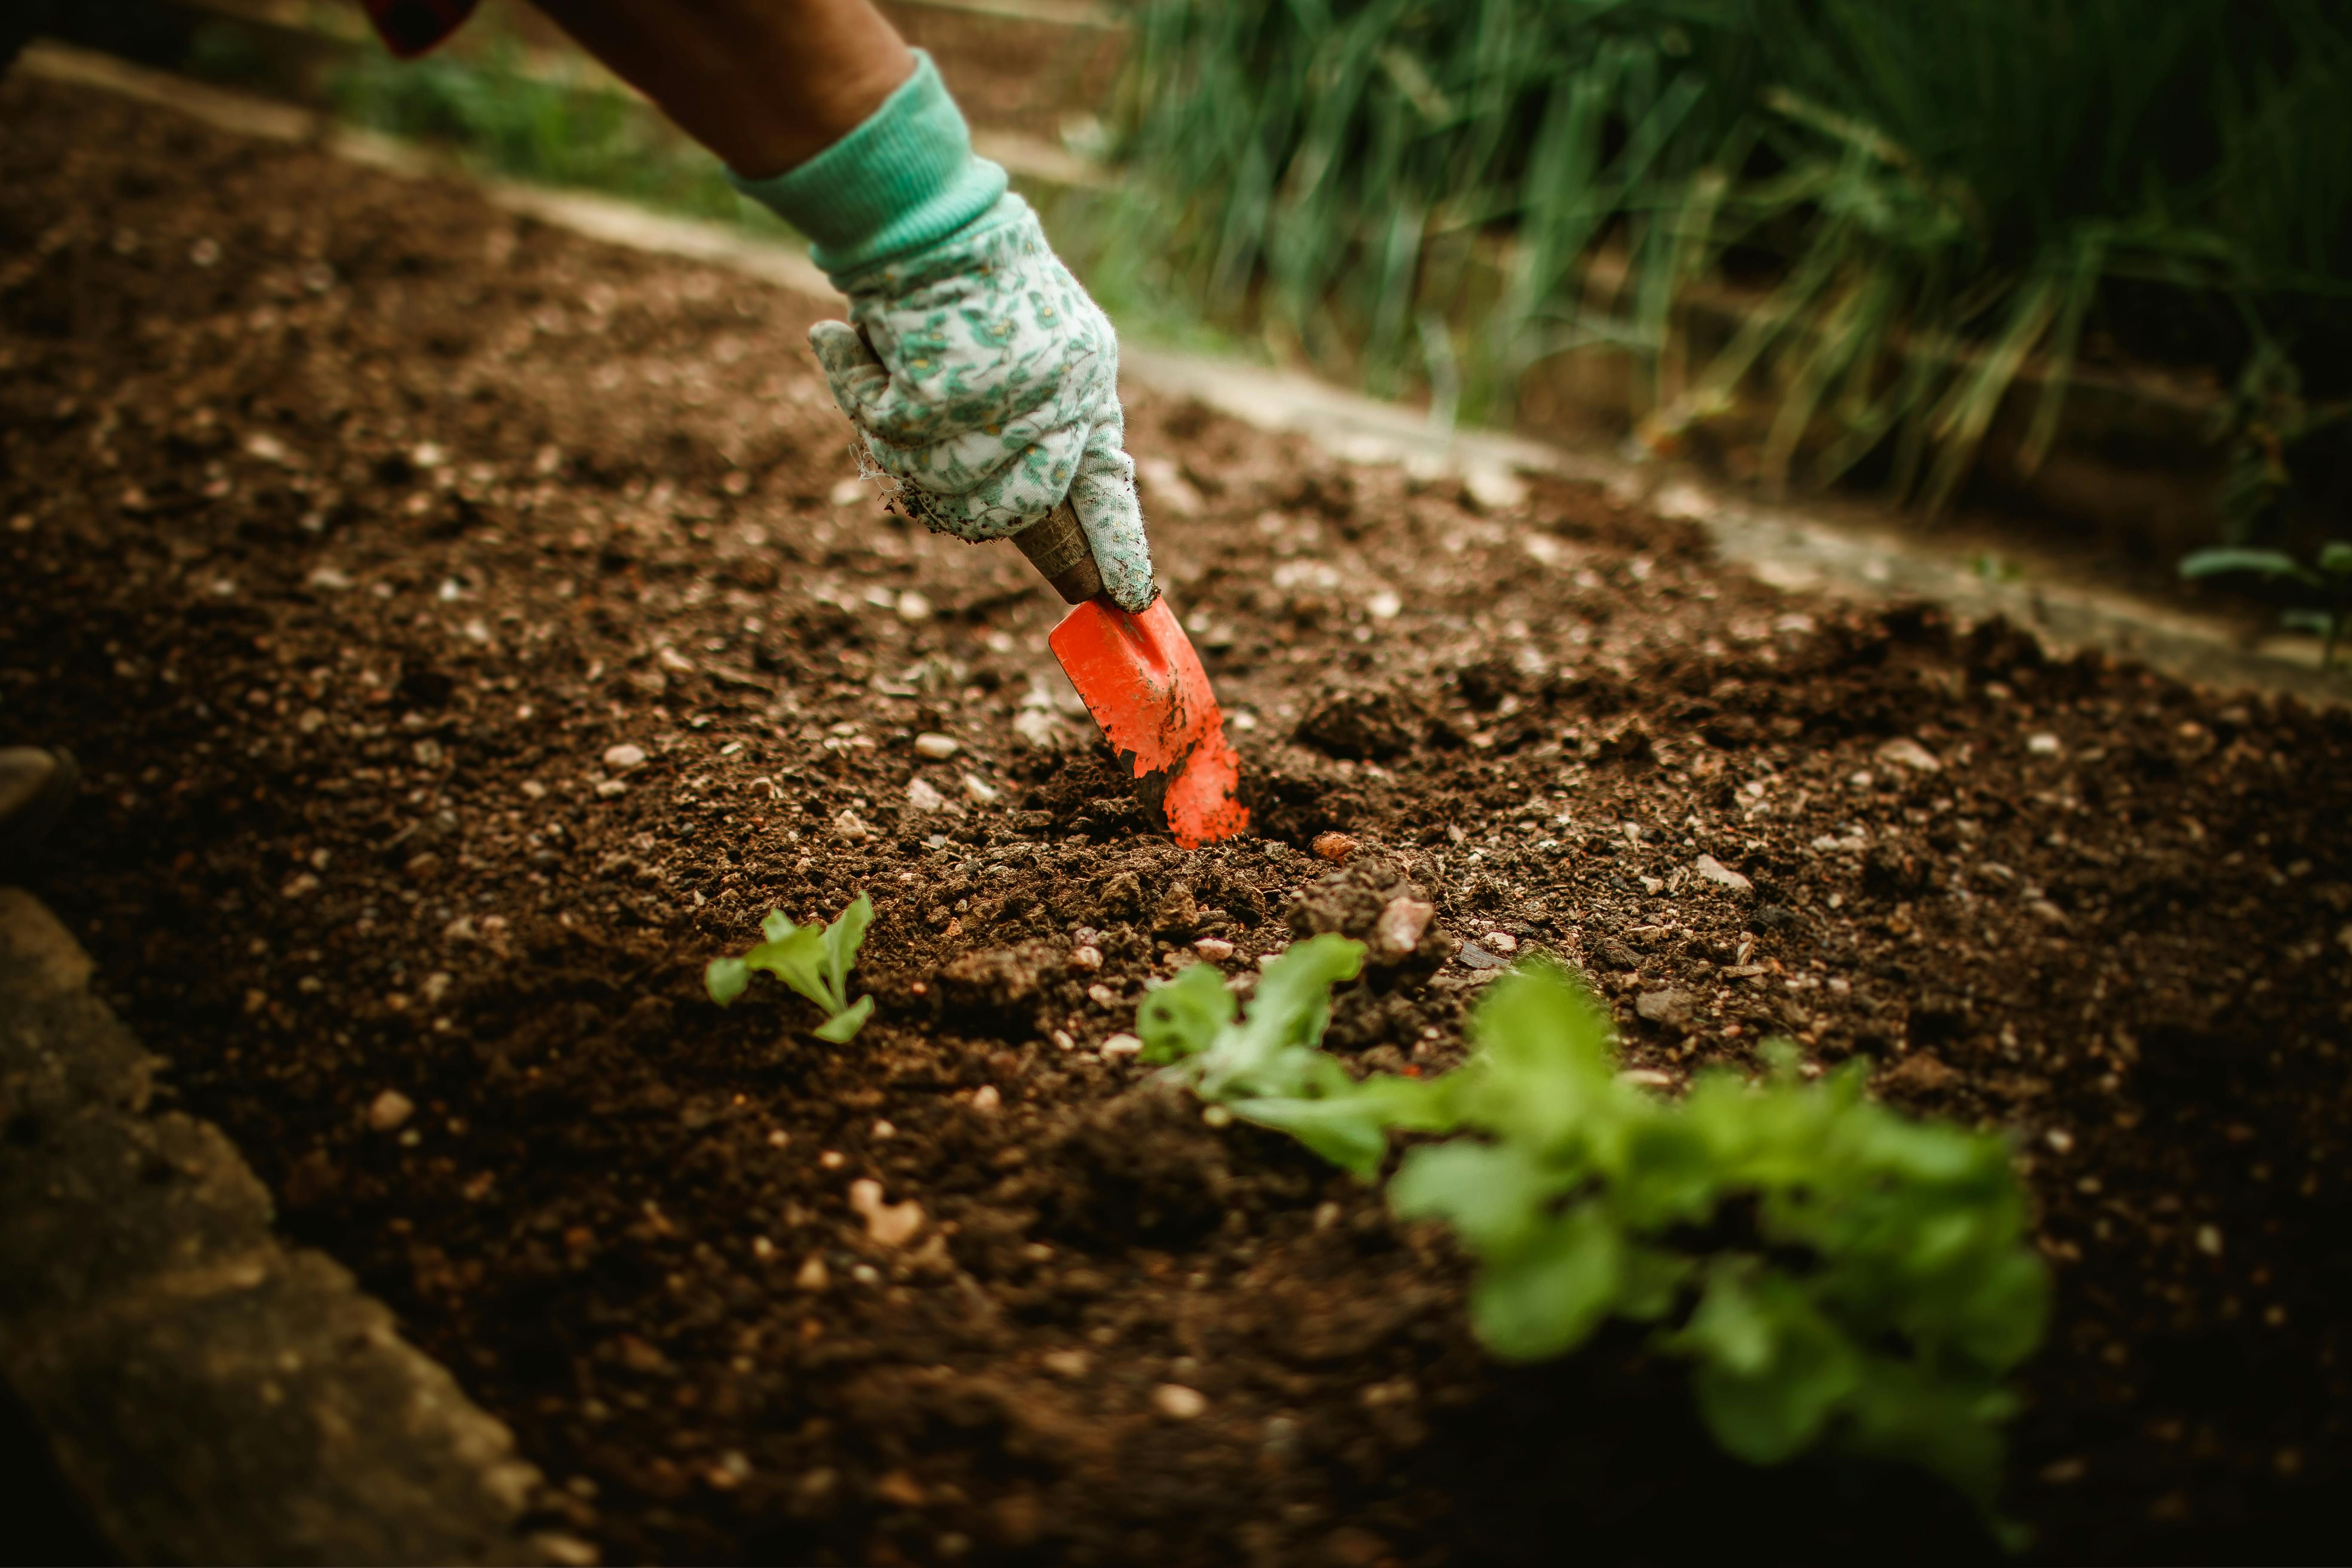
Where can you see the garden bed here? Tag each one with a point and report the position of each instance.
(354, 524)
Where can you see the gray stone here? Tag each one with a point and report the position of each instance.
(1669, 1009)
(1714, 871)
(208, 1393)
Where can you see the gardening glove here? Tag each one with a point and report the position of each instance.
(981, 377)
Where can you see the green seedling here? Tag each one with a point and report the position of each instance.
(813, 960)
(1832, 1271)
(2330, 576)
(1266, 1068)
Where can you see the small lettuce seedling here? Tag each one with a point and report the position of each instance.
(1883, 1287)
(812, 959)
(1269, 1067)
(1834, 1270)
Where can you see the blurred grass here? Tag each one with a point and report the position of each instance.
(1932, 198)
(551, 119)
(1870, 219)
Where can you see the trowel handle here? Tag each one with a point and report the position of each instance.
(1057, 547)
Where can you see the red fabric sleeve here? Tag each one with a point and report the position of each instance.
(412, 26)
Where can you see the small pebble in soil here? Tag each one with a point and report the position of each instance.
(1063, 1041)
(1647, 1077)
(1670, 1008)
(833, 1159)
(1179, 1402)
(985, 1098)
(866, 1274)
(888, 1225)
(1401, 925)
(390, 1109)
(2059, 1138)
(849, 825)
(1334, 847)
(762, 1248)
(813, 1275)
(2209, 1240)
(979, 790)
(936, 746)
(1499, 942)
(1476, 957)
(1122, 1046)
(1906, 753)
(882, 1129)
(1215, 949)
(1085, 957)
(924, 796)
(848, 492)
(1714, 871)
(913, 607)
(2043, 746)
(778, 1137)
(623, 757)
(1102, 995)
(1068, 1363)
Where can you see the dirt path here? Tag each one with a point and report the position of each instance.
(352, 525)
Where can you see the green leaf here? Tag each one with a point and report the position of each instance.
(1496, 1196)
(1180, 1018)
(1547, 1065)
(1271, 1051)
(813, 961)
(843, 938)
(845, 1023)
(2335, 558)
(1348, 1130)
(2261, 563)
(726, 978)
(1544, 1299)
(1771, 1369)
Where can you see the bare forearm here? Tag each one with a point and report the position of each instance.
(765, 84)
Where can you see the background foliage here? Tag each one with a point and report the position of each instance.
(1930, 198)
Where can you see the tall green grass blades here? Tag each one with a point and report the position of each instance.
(1969, 408)
(812, 959)
(1971, 192)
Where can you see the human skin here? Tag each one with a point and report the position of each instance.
(765, 84)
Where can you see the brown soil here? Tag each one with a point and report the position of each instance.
(351, 521)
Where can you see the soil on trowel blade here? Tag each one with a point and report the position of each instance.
(469, 631)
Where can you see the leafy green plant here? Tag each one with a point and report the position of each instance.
(812, 959)
(1833, 1270)
(2330, 576)
(1267, 1067)
(1933, 201)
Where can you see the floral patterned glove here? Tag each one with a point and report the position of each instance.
(980, 375)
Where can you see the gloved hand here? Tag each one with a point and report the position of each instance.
(980, 375)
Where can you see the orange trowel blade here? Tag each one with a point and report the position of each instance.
(1145, 685)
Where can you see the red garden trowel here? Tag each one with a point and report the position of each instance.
(1144, 685)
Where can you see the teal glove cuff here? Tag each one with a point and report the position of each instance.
(903, 180)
